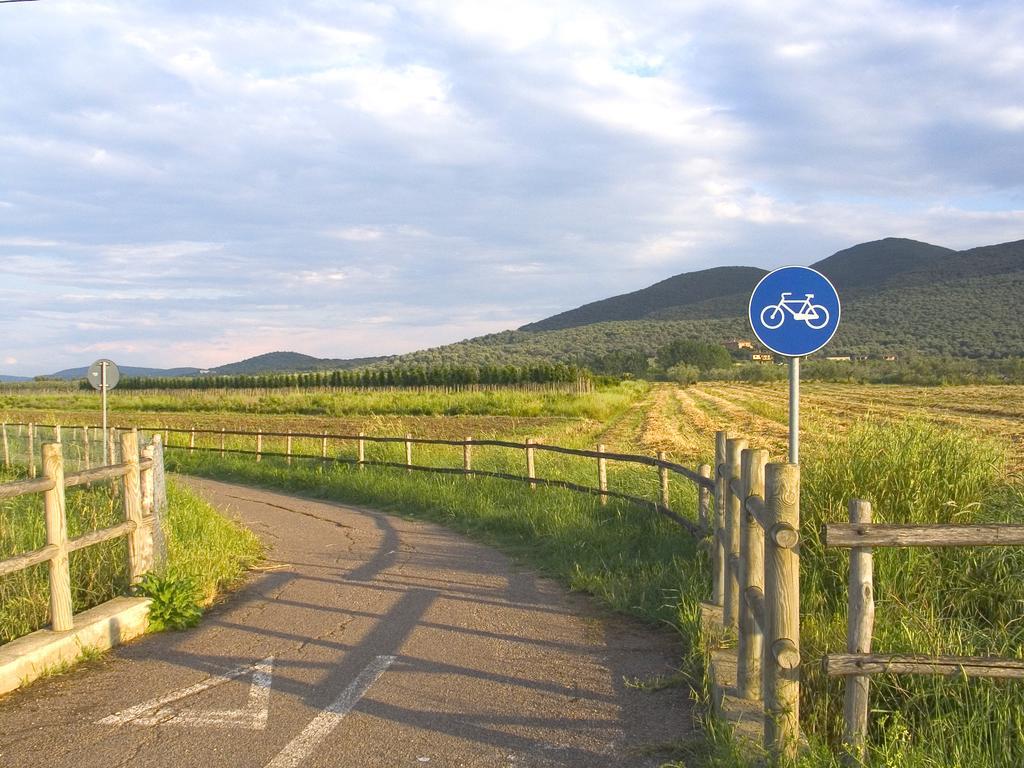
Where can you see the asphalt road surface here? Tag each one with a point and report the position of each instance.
(368, 641)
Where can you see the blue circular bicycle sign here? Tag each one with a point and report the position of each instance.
(794, 311)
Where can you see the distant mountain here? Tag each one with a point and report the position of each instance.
(12, 379)
(126, 370)
(272, 362)
(290, 362)
(688, 289)
(899, 296)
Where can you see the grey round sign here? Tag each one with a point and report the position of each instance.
(96, 375)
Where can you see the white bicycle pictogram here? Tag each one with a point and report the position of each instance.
(774, 315)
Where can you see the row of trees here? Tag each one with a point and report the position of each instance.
(410, 376)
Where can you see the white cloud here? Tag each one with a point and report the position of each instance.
(447, 168)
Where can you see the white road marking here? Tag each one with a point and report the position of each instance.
(253, 716)
(302, 746)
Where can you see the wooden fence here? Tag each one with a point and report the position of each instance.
(701, 477)
(137, 492)
(756, 582)
(857, 665)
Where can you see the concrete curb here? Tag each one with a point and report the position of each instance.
(112, 623)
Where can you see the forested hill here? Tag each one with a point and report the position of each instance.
(899, 297)
(864, 269)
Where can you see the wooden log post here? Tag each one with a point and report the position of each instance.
(467, 456)
(663, 480)
(731, 608)
(530, 467)
(31, 450)
(602, 475)
(57, 535)
(139, 555)
(192, 440)
(288, 448)
(112, 445)
(86, 449)
(323, 446)
(718, 524)
(7, 449)
(56, 433)
(147, 486)
(860, 623)
(361, 451)
(259, 445)
(146, 481)
(408, 453)
(704, 499)
(782, 606)
(750, 646)
(222, 434)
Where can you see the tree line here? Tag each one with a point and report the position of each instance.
(369, 378)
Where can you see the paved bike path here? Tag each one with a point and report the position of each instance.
(369, 641)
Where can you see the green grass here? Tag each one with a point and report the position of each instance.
(601, 404)
(202, 546)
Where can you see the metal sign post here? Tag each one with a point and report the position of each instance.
(104, 376)
(794, 410)
(794, 327)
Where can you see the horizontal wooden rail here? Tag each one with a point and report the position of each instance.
(693, 528)
(839, 664)
(877, 535)
(25, 487)
(27, 560)
(100, 536)
(690, 474)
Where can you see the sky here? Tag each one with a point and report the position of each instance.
(191, 183)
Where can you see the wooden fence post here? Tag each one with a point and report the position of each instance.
(750, 645)
(529, 463)
(860, 623)
(289, 448)
(704, 500)
(138, 557)
(467, 455)
(782, 606)
(259, 445)
(7, 449)
(57, 534)
(85, 450)
(663, 478)
(361, 450)
(192, 440)
(56, 433)
(718, 543)
(731, 609)
(222, 432)
(323, 446)
(31, 451)
(408, 453)
(111, 447)
(146, 482)
(602, 475)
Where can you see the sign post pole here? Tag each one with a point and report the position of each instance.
(794, 410)
(104, 376)
(103, 397)
(794, 311)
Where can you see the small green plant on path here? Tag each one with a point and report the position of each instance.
(175, 601)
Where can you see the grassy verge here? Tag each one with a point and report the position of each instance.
(203, 547)
(960, 602)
